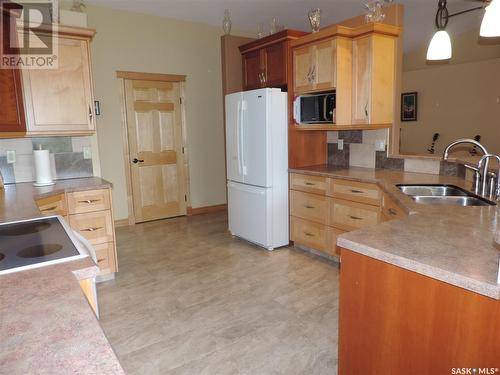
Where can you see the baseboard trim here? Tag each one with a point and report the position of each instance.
(121, 223)
(206, 210)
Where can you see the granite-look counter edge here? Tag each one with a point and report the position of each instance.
(455, 245)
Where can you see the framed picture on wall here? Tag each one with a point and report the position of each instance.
(409, 106)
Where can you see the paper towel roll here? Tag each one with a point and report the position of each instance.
(42, 168)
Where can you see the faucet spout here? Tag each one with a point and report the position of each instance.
(462, 141)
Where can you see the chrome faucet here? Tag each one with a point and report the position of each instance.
(480, 186)
(494, 188)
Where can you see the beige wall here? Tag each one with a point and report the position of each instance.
(136, 42)
(458, 100)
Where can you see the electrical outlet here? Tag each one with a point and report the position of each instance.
(340, 144)
(11, 157)
(87, 153)
(380, 145)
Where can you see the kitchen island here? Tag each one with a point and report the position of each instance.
(419, 295)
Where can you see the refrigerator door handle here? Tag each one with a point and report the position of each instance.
(242, 150)
(238, 119)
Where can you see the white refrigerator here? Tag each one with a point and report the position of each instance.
(257, 166)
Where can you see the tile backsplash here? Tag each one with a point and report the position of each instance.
(360, 150)
(67, 156)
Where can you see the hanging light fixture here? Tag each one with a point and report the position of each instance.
(440, 45)
(490, 27)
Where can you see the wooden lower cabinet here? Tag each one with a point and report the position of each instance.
(395, 321)
(88, 212)
(89, 290)
(322, 208)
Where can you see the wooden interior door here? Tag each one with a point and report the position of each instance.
(154, 124)
(60, 100)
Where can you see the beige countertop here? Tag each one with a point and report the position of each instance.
(17, 201)
(46, 323)
(47, 326)
(455, 245)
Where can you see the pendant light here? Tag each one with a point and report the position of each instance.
(440, 45)
(490, 27)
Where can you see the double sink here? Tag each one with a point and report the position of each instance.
(443, 195)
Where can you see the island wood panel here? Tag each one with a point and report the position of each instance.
(394, 321)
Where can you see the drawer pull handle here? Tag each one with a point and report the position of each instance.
(392, 211)
(355, 217)
(49, 209)
(357, 191)
(307, 206)
(90, 201)
(309, 234)
(101, 260)
(91, 229)
(310, 184)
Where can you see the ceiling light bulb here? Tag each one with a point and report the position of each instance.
(490, 26)
(440, 46)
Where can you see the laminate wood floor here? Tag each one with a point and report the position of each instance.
(191, 299)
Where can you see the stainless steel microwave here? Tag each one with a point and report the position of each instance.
(315, 108)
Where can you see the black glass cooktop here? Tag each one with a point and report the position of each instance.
(35, 241)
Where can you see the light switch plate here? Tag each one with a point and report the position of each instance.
(340, 144)
(11, 157)
(87, 153)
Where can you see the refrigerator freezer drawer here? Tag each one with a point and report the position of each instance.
(250, 215)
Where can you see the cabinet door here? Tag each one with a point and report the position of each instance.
(275, 65)
(324, 68)
(59, 101)
(11, 108)
(252, 70)
(302, 69)
(361, 77)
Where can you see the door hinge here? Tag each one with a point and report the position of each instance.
(183, 150)
(180, 100)
(185, 198)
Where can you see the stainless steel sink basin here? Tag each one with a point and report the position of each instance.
(443, 195)
(433, 190)
(452, 201)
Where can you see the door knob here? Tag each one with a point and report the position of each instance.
(135, 161)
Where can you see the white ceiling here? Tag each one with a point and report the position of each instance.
(246, 14)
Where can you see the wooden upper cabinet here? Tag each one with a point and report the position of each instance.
(252, 70)
(315, 67)
(373, 65)
(11, 99)
(265, 61)
(60, 101)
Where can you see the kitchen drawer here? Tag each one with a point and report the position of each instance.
(355, 191)
(391, 210)
(105, 253)
(309, 184)
(308, 206)
(88, 201)
(53, 205)
(308, 233)
(96, 227)
(347, 215)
